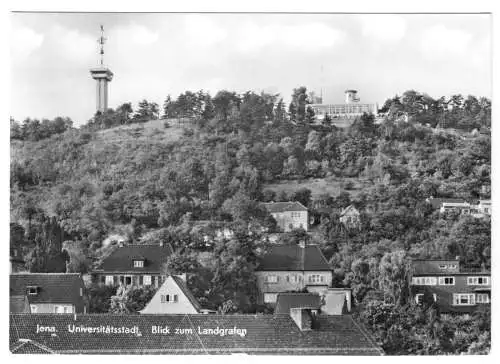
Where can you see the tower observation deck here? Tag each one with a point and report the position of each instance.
(102, 75)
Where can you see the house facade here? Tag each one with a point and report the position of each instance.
(173, 297)
(349, 217)
(287, 268)
(453, 290)
(134, 265)
(289, 215)
(48, 293)
(480, 209)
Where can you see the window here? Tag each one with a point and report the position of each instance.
(32, 290)
(478, 281)
(316, 278)
(442, 266)
(63, 309)
(295, 215)
(165, 298)
(109, 280)
(446, 281)
(463, 299)
(33, 308)
(270, 297)
(138, 263)
(424, 281)
(272, 279)
(176, 298)
(482, 298)
(146, 280)
(419, 298)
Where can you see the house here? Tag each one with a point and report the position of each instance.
(134, 265)
(48, 292)
(16, 260)
(349, 217)
(331, 301)
(286, 268)
(452, 288)
(173, 297)
(289, 215)
(481, 209)
(450, 204)
(296, 333)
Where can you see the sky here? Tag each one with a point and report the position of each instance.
(153, 55)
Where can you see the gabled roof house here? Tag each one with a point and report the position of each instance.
(48, 292)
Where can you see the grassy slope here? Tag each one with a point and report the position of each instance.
(331, 185)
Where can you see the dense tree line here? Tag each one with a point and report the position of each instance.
(185, 192)
(35, 129)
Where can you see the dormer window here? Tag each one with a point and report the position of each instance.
(138, 263)
(32, 290)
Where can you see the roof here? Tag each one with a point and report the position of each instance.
(187, 292)
(121, 260)
(52, 287)
(277, 207)
(29, 347)
(19, 304)
(286, 301)
(254, 334)
(349, 208)
(294, 258)
(432, 266)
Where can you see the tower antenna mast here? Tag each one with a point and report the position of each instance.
(101, 41)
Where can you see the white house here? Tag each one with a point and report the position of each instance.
(289, 215)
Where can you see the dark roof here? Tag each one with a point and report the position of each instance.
(286, 301)
(349, 208)
(431, 266)
(275, 207)
(294, 258)
(19, 304)
(265, 334)
(122, 259)
(187, 292)
(52, 287)
(437, 202)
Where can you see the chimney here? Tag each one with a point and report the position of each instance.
(303, 318)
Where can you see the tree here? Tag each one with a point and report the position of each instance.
(297, 108)
(394, 272)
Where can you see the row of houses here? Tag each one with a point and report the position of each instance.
(284, 268)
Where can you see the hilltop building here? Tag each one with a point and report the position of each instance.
(350, 110)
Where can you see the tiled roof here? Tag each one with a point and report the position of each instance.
(52, 287)
(19, 304)
(294, 258)
(187, 292)
(286, 301)
(122, 259)
(276, 207)
(265, 334)
(29, 347)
